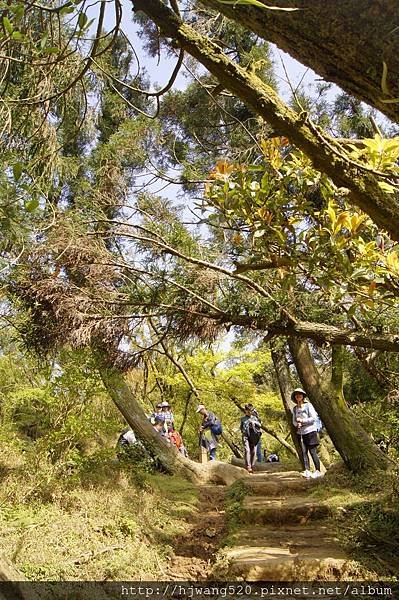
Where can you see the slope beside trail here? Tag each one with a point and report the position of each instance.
(282, 534)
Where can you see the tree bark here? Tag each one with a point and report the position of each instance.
(170, 458)
(327, 155)
(344, 42)
(354, 445)
(284, 383)
(16, 587)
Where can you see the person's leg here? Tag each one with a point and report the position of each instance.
(315, 457)
(247, 453)
(259, 452)
(304, 454)
(252, 454)
(212, 454)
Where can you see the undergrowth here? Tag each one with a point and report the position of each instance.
(365, 511)
(100, 519)
(234, 499)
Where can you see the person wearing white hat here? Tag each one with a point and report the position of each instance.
(304, 418)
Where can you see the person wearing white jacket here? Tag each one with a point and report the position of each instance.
(304, 418)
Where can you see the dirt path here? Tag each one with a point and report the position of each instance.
(194, 553)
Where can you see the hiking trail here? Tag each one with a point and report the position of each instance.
(282, 535)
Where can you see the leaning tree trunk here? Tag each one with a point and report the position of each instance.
(344, 42)
(351, 441)
(15, 585)
(172, 460)
(284, 383)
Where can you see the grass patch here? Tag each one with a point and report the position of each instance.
(365, 516)
(108, 521)
(234, 499)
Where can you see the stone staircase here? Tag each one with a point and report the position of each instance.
(284, 534)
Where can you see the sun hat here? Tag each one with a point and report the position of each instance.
(199, 408)
(165, 405)
(298, 391)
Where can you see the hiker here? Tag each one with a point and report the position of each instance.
(159, 426)
(209, 430)
(251, 432)
(157, 412)
(304, 418)
(166, 415)
(259, 445)
(126, 438)
(128, 445)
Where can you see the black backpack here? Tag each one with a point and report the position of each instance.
(216, 426)
(252, 430)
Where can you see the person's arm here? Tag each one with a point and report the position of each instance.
(208, 421)
(294, 421)
(312, 415)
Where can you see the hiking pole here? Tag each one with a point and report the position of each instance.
(203, 452)
(303, 451)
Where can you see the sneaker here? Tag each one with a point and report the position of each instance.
(316, 474)
(307, 474)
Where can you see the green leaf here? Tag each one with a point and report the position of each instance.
(68, 8)
(32, 204)
(387, 187)
(43, 41)
(51, 50)
(82, 20)
(17, 171)
(17, 35)
(8, 26)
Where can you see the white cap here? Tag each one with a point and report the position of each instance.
(199, 408)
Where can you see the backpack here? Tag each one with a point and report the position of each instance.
(252, 429)
(216, 426)
(273, 458)
(175, 438)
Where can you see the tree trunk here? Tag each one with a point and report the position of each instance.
(344, 42)
(354, 445)
(16, 587)
(170, 458)
(284, 383)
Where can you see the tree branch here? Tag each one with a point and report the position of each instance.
(327, 156)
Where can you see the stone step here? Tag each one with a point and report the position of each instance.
(263, 467)
(275, 484)
(281, 510)
(290, 553)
